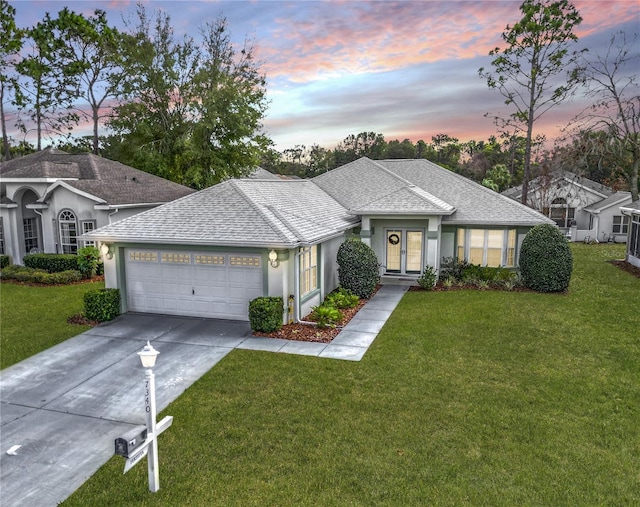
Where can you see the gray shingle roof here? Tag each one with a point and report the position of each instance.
(473, 203)
(110, 181)
(559, 178)
(239, 212)
(287, 213)
(613, 199)
(634, 207)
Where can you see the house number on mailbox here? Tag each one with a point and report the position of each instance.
(147, 401)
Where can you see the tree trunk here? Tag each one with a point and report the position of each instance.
(96, 147)
(5, 139)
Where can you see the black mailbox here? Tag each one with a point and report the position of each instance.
(132, 439)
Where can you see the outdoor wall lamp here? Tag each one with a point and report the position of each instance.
(273, 259)
(107, 250)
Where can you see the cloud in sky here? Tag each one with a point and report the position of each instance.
(406, 69)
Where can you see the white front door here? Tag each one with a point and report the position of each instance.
(404, 251)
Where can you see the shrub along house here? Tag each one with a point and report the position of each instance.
(210, 253)
(50, 198)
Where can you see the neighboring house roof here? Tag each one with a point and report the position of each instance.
(262, 174)
(241, 212)
(613, 200)
(559, 178)
(109, 182)
(631, 209)
(288, 213)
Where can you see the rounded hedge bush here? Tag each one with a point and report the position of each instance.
(357, 268)
(546, 262)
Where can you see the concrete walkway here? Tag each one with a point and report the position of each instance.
(65, 406)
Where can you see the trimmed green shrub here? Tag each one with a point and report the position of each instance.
(428, 278)
(5, 260)
(358, 268)
(546, 261)
(52, 263)
(102, 304)
(341, 298)
(451, 267)
(326, 316)
(88, 258)
(31, 275)
(265, 314)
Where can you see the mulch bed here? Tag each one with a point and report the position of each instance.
(81, 320)
(625, 266)
(311, 333)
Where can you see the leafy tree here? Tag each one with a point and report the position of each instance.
(613, 84)
(590, 153)
(10, 44)
(193, 112)
(364, 144)
(397, 149)
(527, 71)
(498, 178)
(95, 50)
(46, 88)
(320, 161)
(445, 151)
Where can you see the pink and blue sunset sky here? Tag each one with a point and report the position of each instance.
(405, 69)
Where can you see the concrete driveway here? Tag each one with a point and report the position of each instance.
(65, 406)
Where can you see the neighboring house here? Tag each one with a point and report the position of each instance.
(583, 209)
(50, 198)
(632, 212)
(210, 253)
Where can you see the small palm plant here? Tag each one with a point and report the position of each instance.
(326, 316)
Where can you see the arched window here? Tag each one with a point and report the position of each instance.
(68, 232)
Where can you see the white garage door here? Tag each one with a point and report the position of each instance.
(201, 284)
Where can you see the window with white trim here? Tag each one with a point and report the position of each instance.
(561, 213)
(68, 232)
(30, 228)
(88, 226)
(308, 270)
(620, 224)
(487, 247)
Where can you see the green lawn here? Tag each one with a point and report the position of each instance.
(465, 398)
(35, 318)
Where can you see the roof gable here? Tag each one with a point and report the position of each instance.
(106, 180)
(473, 203)
(616, 199)
(240, 212)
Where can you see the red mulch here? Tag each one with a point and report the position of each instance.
(81, 320)
(311, 333)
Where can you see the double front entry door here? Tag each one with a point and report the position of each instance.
(404, 251)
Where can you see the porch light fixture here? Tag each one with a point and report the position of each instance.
(273, 259)
(107, 251)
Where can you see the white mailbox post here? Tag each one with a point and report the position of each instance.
(128, 446)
